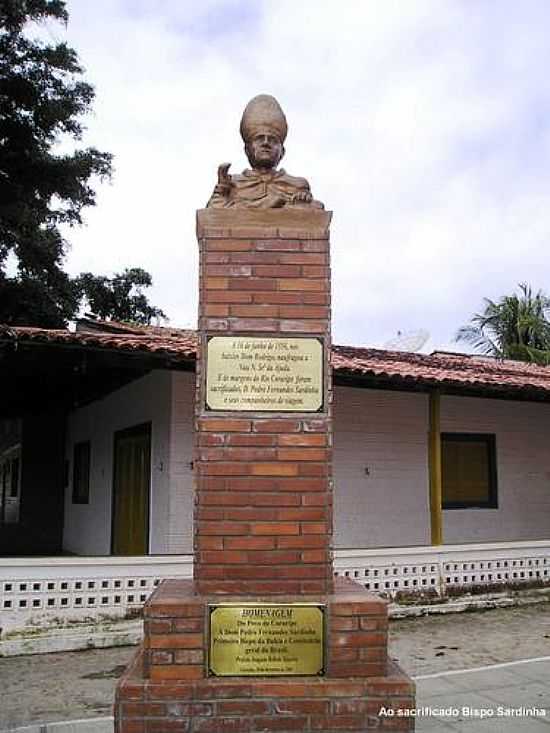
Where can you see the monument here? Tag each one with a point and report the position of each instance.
(264, 638)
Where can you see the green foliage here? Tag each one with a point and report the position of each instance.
(42, 101)
(120, 297)
(514, 327)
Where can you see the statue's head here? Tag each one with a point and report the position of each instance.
(264, 129)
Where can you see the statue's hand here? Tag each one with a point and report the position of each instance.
(302, 197)
(223, 186)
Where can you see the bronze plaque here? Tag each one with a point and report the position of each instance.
(266, 639)
(273, 374)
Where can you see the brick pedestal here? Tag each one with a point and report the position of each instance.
(263, 514)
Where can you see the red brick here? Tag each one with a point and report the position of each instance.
(222, 557)
(303, 311)
(358, 638)
(226, 425)
(313, 298)
(271, 298)
(270, 425)
(307, 707)
(188, 624)
(249, 543)
(314, 528)
(301, 454)
(158, 627)
(242, 707)
(344, 623)
(216, 310)
(250, 514)
(176, 672)
(316, 245)
(216, 258)
(228, 270)
(222, 725)
(255, 258)
(251, 440)
(177, 641)
(162, 657)
(223, 528)
(189, 656)
(253, 283)
(301, 284)
(303, 258)
(277, 270)
(315, 556)
(314, 271)
(275, 528)
(254, 311)
(274, 469)
(216, 283)
(253, 483)
(223, 469)
(302, 326)
(208, 543)
(285, 723)
(226, 296)
(302, 542)
(344, 654)
(228, 245)
(167, 726)
(301, 515)
(211, 439)
(335, 723)
(301, 439)
(278, 245)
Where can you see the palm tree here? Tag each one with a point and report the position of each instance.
(514, 327)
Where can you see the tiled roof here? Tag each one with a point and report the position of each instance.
(445, 370)
(442, 369)
(181, 347)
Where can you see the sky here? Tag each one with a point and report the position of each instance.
(424, 125)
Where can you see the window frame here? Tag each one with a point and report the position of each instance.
(490, 441)
(82, 497)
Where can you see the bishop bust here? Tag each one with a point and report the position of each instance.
(263, 129)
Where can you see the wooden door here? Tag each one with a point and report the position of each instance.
(131, 486)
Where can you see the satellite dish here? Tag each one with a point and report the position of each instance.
(408, 341)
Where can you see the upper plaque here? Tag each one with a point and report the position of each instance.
(272, 374)
(262, 186)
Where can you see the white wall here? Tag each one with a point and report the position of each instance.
(385, 431)
(522, 431)
(180, 519)
(87, 527)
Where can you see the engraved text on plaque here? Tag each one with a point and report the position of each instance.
(266, 639)
(273, 373)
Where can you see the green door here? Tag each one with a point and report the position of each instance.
(131, 486)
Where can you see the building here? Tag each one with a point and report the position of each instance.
(441, 469)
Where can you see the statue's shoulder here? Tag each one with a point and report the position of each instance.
(295, 181)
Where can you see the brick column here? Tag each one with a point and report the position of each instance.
(263, 512)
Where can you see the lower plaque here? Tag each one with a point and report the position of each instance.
(266, 639)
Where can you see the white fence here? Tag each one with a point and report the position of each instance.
(57, 591)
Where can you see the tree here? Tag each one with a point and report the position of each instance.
(119, 297)
(514, 327)
(42, 101)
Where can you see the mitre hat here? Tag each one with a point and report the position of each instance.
(261, 113)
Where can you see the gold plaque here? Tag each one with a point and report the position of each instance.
(264, 374)
(266, 639)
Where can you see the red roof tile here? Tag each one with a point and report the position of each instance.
(445, 370)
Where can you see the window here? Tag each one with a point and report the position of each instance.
(10, 470)
(468, 471)
(81, 473)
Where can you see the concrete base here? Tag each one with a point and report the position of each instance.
(166, 688)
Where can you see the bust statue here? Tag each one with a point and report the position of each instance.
(263, 129)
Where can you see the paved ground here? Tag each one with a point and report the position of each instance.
(75, 685)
